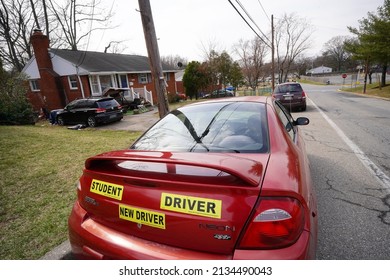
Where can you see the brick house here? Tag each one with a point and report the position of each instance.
(57, 76)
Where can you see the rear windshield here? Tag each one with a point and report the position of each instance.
(288, 88)
(107, 103)
(236, 127)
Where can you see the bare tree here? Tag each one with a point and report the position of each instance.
(75, 20)
(66, 21)
(292, 38)
(209, 49)
(174, 61)
(252, 54)
(336, 51)
(16, 23)
(115, 47)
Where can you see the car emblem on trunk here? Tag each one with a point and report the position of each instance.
(91, 200)
(222, 236)
(139, 226)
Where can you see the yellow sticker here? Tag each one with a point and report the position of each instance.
(191, 205)
(142, 216)
(107, 189)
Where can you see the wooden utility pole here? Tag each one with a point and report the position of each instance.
(154, 56)
(273, 53)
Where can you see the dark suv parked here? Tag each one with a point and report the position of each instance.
(291, 96)
(89, 111)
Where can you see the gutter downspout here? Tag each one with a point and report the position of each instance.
(81, 84)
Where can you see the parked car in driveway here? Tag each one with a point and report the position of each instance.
(225, 179)
(89, 111)
(291, 95)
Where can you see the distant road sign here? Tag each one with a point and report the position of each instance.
(344, 76)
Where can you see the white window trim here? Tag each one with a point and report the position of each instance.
(143, 78)
(99, 93)
(70, 82)
(34, 84)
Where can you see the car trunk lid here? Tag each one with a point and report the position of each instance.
(186, 200)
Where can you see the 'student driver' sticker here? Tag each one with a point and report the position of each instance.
(142, 216)
(107, 189)
(191, 205)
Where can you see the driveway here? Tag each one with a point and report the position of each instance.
(137, 122)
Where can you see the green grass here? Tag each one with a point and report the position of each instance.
(303, 81)
(373, 90)
(39, 168)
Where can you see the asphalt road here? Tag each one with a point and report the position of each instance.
(348, 144)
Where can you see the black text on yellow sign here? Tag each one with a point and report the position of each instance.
(142, 216)
(191, 205)
(107, 189)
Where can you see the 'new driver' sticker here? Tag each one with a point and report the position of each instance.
(142, 216)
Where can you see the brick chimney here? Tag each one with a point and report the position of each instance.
(50, 82)
(41, 46)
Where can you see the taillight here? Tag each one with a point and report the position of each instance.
(100, 110)
(303, 94)
(278, 222)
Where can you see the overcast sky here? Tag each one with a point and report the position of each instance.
(185, 27)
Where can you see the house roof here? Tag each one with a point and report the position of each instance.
(65, 63)
(107, 62)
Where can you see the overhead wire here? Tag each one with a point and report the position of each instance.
(250, 26)
(250, 17)
(262, 7)
(89, 36)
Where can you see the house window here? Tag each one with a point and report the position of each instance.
(94, 81)
(72, 82)
(144, 78)
(34, 85)
(167, 77)
(100, 83)
(105, 82)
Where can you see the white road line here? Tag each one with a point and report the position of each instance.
(372, 167)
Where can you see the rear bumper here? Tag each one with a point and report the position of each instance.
(91, 240)
(107, 118)
(294, 104)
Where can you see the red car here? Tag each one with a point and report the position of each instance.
(221, 179)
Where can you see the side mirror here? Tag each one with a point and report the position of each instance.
(302, 121)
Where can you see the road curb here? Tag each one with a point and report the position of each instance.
(61, 252)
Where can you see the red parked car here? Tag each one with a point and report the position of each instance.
(221, 179)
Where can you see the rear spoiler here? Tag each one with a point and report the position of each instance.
(249, 171)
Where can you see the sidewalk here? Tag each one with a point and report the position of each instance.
(138, 122)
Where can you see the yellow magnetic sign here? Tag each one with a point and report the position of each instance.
(191, 205)
(107, 189)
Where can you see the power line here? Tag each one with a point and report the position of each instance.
(84, 54)
(109, 13)
(249, 16)
(267, 44)
(261, 5)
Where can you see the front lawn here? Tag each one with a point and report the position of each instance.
(39, 168)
